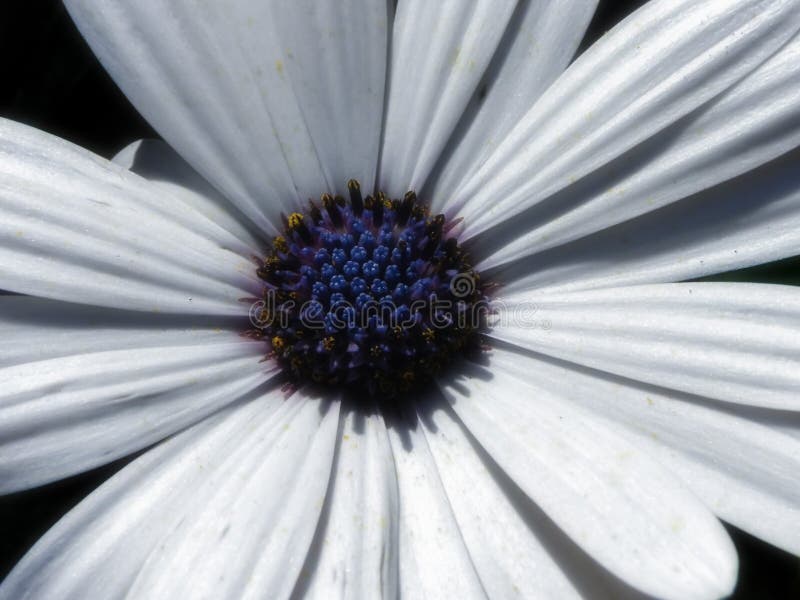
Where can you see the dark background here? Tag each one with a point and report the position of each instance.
(51, 80)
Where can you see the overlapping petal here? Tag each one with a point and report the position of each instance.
(112, 540)
(728, 341)
(37, 329)
(261, 504)
(515, 549)
(658, 66)
(540, 40)
(751, 124)
(355, 552)
(630, 514)
(76, 227)
(741, 469)
(272, 102)
(434, 561)
(750, 220)
(80, 388)
(163, 167)
(440, 51)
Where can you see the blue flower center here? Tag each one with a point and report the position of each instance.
(370, 293)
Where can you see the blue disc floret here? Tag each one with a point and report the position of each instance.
(369, 292)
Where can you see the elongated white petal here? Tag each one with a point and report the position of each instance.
(440, 51)
(749, 125)
(743, 471)
(76, 227)
(355, 553)
(36, 329)
(660, 64)
(273, 102)
(617, 503)
(434, 562)
(264, 511)
(540, 40)
(162, 166)
(98, 548)
(64, 415)
(728, 341)
(750, 220)
(513, 549)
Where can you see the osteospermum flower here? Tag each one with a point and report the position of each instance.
(582, 438)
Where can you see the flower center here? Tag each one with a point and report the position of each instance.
(369, 293)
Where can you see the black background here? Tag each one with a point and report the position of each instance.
(50, 79)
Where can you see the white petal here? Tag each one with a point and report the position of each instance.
(749, 125)
(261, 510)
(750, 220)
(76, 227)
(541, 38)
(272, 102)
(727, 341)
(790, 429)
(743, 471)
(36, 329)
(98, 548)
(440, 51)
(161, 165)
(785, 421)
(62, 416)
(619, 505)
(355, 553)
(656, 67)
(434, 563)
(515, 551)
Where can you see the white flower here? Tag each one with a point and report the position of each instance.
(605, 432)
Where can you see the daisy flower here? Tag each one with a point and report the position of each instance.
(202, 299)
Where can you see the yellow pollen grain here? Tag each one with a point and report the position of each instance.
(280, 244)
